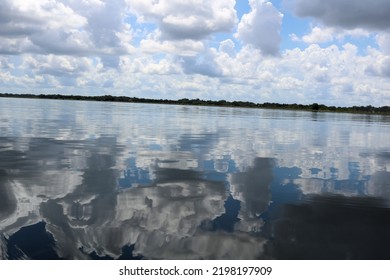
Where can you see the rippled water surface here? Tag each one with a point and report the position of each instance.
(91, 180)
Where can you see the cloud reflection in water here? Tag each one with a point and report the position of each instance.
(196, 190)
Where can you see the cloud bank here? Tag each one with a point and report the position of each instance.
(235, 50)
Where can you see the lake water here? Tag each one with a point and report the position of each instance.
(91, 180)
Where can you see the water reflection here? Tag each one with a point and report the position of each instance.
(332, 227)
(129, 181)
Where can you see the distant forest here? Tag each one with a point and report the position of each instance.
(221, 103)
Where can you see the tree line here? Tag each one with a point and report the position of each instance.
(222, 103)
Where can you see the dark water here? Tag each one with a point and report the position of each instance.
(89, 180)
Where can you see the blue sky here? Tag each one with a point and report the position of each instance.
(335, 52)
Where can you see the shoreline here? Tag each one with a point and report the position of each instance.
(315, 107)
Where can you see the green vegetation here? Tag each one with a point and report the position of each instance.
(222, 103)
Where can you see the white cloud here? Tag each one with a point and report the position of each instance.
(261, 27)
(332, 75)
(289, 83)
(24, 21)
(15, 46)
(180, 20)
(81, 28)
(182, 48)
(58, 65)
(203, 64)
(383, 40)
(379, 68)
(27, 17)
(146, 65)
(385, 67)
(337, 75)
(319, 35)
(123, 45)
(5, 63)
(228, 47)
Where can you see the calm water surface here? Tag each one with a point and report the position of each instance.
(90, 180)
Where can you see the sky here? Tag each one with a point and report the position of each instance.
(334, 52)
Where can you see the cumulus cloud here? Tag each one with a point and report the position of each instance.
(28, 21)
(58, 65)
(381, 67)
(383, 41)
(186, 47)
(261, 27)
(203, 64)
(319, 35)
(23, 18)
(128, 44)
(179, 20)
(349, 14)
(385, 67)
(64, 27)
(331, 75)
(5, 64)
(227, 46)
(147, 65)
